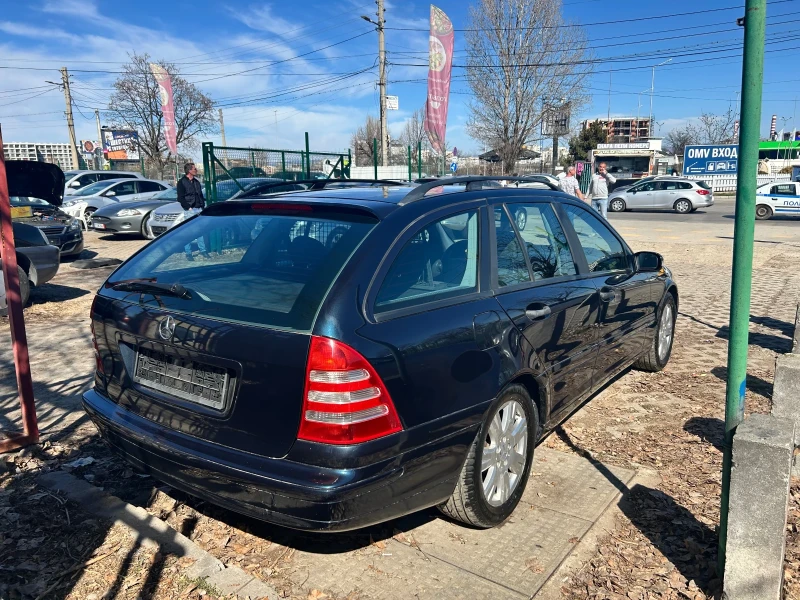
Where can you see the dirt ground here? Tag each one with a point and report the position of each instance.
(663, 546)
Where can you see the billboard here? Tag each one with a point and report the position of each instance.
(556, 121)
(120, 144)
(714, 159)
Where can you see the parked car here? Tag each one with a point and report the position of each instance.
(674, 193)
(239, 172)
(778, 199)
(347, 356)
(84, 202)
(537, 181)
(37, 260)
(299, 175)
(60, 229)
(131, 217)
(76, 180)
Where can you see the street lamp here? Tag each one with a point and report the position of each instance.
(652, 86)
(639, 110)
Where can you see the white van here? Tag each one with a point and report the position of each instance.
(75, 180)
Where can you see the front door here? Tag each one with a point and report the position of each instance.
(642, 195)
(625, 296)
(541, 291)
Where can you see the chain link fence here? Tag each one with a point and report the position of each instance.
(227, 170)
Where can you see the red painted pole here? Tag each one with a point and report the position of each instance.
(19, 339)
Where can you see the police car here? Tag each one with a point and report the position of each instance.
(778, 199)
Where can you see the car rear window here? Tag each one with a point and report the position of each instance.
(703, 185)
(263, 268)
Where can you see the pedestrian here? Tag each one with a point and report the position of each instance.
(570, 184)
(190, 196)
(598, 189)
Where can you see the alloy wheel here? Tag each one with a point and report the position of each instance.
(665, 330)
(617, 205)
(521, 219)
(683, 206)
(504, 453)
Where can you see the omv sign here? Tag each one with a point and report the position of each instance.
(711, 160)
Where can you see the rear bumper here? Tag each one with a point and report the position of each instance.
(45, 261)
(288, 491)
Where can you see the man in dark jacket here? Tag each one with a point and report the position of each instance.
(190, 192)
(190, 196)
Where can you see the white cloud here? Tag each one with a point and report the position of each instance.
(262, 19)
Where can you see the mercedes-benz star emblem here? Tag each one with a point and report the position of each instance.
(166, 328)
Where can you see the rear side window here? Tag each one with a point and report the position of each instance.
(149, 186)
(545, 241)
(783, 189)
(703, 185)
(603, 250)
(268, 269)
(440, 261)
(511, 265)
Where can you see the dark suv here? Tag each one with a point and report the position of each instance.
(337, 358)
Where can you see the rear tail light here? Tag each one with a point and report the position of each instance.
(703, 192)
(345, 402)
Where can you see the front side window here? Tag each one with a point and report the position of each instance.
(440, 261)
(124, 189)
(645, 187)
(260, 268)
(603, 250)
(87, 179)
(545, 242)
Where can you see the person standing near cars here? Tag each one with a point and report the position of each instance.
(570, 184)
(598, 189)
(190, 196)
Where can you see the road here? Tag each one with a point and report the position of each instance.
(707, 225)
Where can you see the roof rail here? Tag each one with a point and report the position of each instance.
(319, 184)
(313, 184)
(471, 183)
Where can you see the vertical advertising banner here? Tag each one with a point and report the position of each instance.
(440, 65)
(167, 106)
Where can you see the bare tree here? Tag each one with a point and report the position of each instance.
(676, 140)
(414, 133)
(717, 129)
(136, 105)
(522, 56)
(362, 142)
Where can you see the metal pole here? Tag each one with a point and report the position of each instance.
(409, 162)
(743, 233)
(419, 159)
(73, 145)
(99, 137)
(652, 87)
(208, 149)
(555, 152)
(308, 159)
(375, 156)
(382, 85)
(224, 141)
(16, 319)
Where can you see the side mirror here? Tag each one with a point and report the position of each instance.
(75, 184)
(110, 193)
(648, 262)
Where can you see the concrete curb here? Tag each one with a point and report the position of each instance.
(153, 532)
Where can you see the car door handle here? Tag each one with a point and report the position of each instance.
(537, 311)
(608, 294)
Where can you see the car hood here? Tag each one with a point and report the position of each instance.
(44, 216)
(171, 208)
(113, 209)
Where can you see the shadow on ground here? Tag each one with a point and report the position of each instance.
(686, 542)
(777, 343)
(708, 429)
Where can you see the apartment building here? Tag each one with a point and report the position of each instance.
(57, 154)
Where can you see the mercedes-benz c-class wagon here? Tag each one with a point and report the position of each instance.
(331, 359)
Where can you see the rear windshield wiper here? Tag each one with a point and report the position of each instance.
(147, 285)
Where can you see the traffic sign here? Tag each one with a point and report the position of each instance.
(711, 160)
(453, 166)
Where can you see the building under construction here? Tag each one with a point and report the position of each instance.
(622, 130)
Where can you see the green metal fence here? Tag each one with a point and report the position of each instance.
(227, 170)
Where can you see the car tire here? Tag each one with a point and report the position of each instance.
(478, 500)
(660, 349)
(683, 206)
(763, 212)
(24, 288)
(521, 219)
(617, 205)
(146, 233)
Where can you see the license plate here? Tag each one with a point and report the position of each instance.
(99, 225)
(185, 379)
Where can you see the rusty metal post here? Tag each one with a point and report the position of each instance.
(19, 340)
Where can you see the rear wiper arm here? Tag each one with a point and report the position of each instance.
(146, 285)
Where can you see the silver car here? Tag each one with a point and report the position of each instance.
(673, 193)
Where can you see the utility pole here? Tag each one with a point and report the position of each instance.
(754, 23)
(224, 141)
(382, 81)
(555, 152)
(99, 137)
(73, 144)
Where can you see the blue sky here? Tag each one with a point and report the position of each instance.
(323, 92)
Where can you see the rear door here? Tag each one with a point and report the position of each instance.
(123, 191)
(539, 286)
(226, 362)
(666, 193)
(626, 298)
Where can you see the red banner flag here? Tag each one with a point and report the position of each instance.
(167, 106)
(440, 64)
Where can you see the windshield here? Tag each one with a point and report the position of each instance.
(167, 194)
(93, 188)
(262, 268)
(28, 201)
